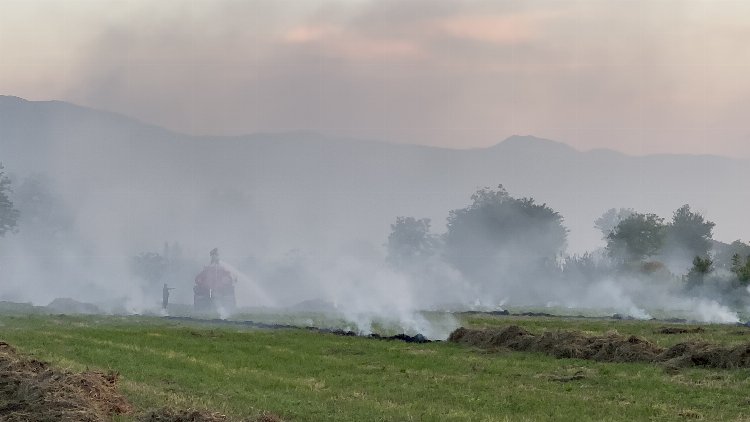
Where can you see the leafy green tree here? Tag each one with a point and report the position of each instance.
(8, 213)
(610, 219)
(410, 240)
(688, 235)
(702, 266)
(636, 237)
(741, 269)
(497, 228)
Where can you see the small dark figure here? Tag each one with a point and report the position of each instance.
(165, 296)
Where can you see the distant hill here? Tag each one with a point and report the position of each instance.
(132, 184)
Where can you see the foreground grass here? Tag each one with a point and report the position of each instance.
(305, 376)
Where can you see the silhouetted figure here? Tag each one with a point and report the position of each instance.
(165, 296)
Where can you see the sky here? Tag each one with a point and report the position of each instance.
(637, 76)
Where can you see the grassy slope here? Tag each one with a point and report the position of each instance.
(305, 376)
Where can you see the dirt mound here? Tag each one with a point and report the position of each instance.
(706, 354)
(31, 390)
(561, 344)
(171, 415)
(191, 415)
(679, 330)
(612, 347)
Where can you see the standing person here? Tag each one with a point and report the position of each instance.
(165, 296)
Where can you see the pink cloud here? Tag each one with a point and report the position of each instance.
(343, 43)
(497, 29)
(310, 33)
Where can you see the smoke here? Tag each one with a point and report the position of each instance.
(362, 291)
(712, 311)
(646, 297)
(66, 251)
(95, 190)
(250, 289)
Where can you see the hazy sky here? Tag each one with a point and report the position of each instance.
(636, 76)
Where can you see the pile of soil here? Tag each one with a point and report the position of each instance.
(695, 353)
(171, 415)
(679, 330)
(561, 344)
(31, 390)
(611, 347)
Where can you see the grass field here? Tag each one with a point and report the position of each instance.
(307, 376)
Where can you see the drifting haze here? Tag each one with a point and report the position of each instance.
(635, 76)
(303, 217)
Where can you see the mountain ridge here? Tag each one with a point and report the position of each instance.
(512, 141)
(280, 189)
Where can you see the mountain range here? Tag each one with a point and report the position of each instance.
(135, 185)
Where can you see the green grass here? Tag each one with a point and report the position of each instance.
(306, 376)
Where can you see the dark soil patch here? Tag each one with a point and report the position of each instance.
(561, 344)
(535, 314)
(418, 338)
(504, 312)
(191, 415)
(172, 415)
(696, 353)
(568, 378)
(31, 390)
(611, 347)
(679, 330)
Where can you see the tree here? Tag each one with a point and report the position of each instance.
(150, 266)
(725, 254)
(610, 219)
(410, 240)
(636, 237)
(584, 268)
(701, 268)
(499, 233)
(688, 235)
(43, 211)
(741, 269)
(8, 213)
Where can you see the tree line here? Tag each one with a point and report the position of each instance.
(524, 236)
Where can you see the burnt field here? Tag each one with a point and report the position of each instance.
(499, 367)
